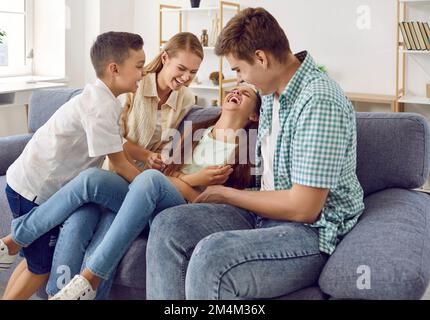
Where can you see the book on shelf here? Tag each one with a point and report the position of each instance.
(409, 35)
(416, 35)
(420, 36)
(407, 43)
(424, 35)
(427, 30)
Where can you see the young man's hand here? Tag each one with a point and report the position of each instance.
(213, 194)
(210, 176)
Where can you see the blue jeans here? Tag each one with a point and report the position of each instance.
(39, 255)
(79, 236)
(220, 252)
(136, 204)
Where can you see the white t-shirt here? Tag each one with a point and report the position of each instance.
(268, 148)
(78, 136)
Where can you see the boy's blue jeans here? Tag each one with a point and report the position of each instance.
(136, 205)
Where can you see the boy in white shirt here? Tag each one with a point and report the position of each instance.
(78, 136)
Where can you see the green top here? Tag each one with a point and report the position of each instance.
(316, 147)
(209, 152)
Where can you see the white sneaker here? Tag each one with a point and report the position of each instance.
(6, 260)
(77, 289)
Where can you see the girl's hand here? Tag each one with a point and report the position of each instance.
(154, 161)
(210, 176)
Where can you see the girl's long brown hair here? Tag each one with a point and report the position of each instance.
(241, 177)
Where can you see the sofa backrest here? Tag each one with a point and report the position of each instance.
(44, 103)
(393, 149)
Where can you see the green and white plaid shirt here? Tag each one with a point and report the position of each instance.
(316, 147)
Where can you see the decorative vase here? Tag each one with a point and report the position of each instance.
(195, 3)
(214, 77)
(204, 38)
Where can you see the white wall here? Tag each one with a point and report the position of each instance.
(361, 60)
(49, 37)
(89, 18)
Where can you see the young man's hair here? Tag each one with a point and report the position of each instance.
(113, 47)
(250, 30)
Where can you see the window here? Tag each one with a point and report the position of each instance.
(16, 19)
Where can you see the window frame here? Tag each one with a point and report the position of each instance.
(26, 69)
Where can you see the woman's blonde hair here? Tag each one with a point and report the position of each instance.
(183, 41)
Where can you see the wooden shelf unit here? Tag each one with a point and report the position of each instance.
(401, 56)
(221, 9)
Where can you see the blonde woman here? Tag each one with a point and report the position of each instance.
(162, 100)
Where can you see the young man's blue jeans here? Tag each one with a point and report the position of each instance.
(136, 205)
(220, 252)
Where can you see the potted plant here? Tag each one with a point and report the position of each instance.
(2, 34)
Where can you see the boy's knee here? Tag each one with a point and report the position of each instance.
(89, 173)
(149, 178)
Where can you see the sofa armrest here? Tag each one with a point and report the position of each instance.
(10, 149)
(387, 254)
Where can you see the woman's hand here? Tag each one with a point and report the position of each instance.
(154, 161)
(210, 176)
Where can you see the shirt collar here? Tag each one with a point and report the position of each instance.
(150, 90)
(150, 85)
(99, 83)
(296, 84)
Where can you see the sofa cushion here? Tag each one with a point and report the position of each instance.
(387, 254)
(5, 220)
(131, 271)
(5, 213)
(10, 149)
(199, 114)
(44, 103)
(393, 151)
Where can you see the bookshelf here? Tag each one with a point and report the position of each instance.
(184, 13)
(402, 55)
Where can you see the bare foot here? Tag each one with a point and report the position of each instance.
(92, 278)
(12, 246)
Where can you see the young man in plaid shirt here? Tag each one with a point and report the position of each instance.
(271, 242)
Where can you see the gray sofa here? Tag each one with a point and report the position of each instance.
(385, 256)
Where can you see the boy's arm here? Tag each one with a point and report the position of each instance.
(122, 166)
(151, 159)
(136, 152)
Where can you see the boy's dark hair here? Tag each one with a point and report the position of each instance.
(113, 47)
(250, 30)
